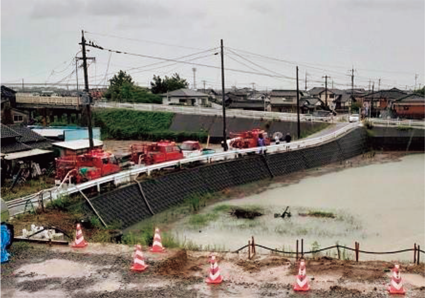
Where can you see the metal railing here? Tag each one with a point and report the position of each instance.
(16, 206)
(397, 123)
(214, 112)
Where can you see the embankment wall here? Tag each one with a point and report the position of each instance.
(128, 206)
(397, 139)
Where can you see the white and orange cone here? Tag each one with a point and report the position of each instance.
(157, 244)
(139, 260)
(79, 239)
(301, 283)
(214, 277)
(396, 285)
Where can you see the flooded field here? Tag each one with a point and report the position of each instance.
(381, 206)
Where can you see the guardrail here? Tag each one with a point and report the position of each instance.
(50, 100)
(215, 112)
(389, 123)
(16, 206)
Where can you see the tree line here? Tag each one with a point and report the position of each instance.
(122, 88)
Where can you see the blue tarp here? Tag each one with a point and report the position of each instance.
(5, 241)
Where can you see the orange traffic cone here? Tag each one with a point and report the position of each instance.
(214, 276)
(301, 284)
(79, 239)
(157, 245)
(396, 285)
(139, 261)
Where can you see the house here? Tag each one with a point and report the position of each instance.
(337, 99)
(409, 106)
(8, 105)
(20, 145)
(186, 97)
(284, 100)
(309, 104)
(382, 100)
(76, 147)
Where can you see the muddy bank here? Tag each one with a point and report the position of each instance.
(103, 271)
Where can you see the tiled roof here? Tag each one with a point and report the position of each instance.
(14, 147)
(185, 93)
(27, 135)
(7, 132)
(283, 93)
(411, 98)
(7, 92)
(392, 94)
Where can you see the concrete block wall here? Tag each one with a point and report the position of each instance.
(128, 206)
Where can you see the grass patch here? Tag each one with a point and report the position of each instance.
(222, 208)
(29, 187)
(121, 124)
(201, 220)
(318, 213)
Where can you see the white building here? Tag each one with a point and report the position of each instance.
(185, 97)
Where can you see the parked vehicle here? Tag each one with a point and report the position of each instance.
(154, 153)
(193, 149)
(248, 139)
(354, 118)
(95, 164)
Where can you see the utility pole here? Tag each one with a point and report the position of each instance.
(76, 71)
(326, 89)
(379, 84)
(86, 89)
(204, 84)
(416, 80)
(332, 84)
(306, 75)
(298, 109)
(194, 78)
(23, 88)
(223, 99)
(352, 89)
(371, 100)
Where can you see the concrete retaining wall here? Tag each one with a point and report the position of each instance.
(214, 125)
(128, 206)
(395, 139)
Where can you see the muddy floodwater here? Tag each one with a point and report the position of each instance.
(380, 205)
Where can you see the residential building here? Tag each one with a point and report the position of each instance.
(309, 104)
(381, 100)
(186, 97)
(284, 100)
(8, 104)
(409, 106)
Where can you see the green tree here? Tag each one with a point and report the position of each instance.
(420, 91)
(123, 89)
(160, 86)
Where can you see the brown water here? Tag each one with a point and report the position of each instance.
(381, 206)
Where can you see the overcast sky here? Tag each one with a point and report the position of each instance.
(379, 38)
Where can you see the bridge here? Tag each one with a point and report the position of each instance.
(18, 206)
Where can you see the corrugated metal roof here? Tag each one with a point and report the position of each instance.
(24, 154)
(78, 144)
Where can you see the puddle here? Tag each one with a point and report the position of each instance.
(381, 206)
(56, 268)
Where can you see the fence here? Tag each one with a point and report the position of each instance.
(396, 123)
(299, 253)
(17, 206)
(215, 112)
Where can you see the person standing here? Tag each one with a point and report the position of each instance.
(288, 138)
(261, 142)
(277, 139)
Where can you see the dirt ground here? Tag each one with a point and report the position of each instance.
(104, 271)
(123, 146)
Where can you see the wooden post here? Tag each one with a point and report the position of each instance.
(357, 247)
(208, 141)
(339, 253)
(249, 250)
(253, 245)
(414, 253)
(296, 254)
(302, 248)
(419, 253)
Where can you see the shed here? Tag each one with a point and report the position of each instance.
(77, 147)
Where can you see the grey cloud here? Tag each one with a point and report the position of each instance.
(260, 6)
(387, 4)
(70, 8)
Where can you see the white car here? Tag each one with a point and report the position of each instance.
(354, 118)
